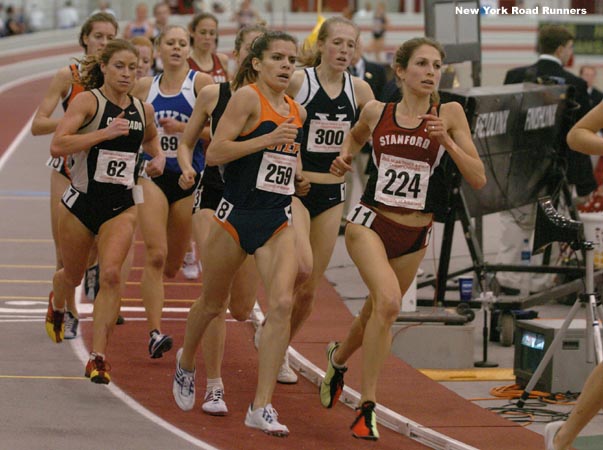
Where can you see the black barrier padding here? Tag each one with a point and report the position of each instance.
(515, 128)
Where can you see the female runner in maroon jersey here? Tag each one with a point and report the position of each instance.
(388, 231)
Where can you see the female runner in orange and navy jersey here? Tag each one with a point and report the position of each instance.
(96, 31)
(258, 137)
(388, 231)
(210, 104)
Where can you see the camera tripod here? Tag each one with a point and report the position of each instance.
(594, 318)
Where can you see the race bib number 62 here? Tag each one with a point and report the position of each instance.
(115, 167)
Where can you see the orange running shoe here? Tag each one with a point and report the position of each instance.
(365, 425)
(98, 369)
(55, 321)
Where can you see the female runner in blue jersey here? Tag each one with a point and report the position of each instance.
(165, 216)
(258, 138)
(388, 231)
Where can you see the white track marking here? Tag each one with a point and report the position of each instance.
(77, 344)
(351, 398)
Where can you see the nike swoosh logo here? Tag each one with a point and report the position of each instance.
(118, 208)
(340, 107)
(332, 199)
(131, 112)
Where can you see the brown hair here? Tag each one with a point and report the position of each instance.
(168, 28)
(198, 18)
(408, 48)
(246, 73)
(240, 37)
(92, 76)
(550, 37)
(89, 23)
(311, 57)
(159, 5)
(142, 41)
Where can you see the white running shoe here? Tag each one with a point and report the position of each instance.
(190, 267)
(214, 403)
(92, 282)
(266, 419)
(71, 324)
(286, 375)
(183, 386)
(550, 431)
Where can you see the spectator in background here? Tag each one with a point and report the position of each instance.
(2, 21)
(140, 26)
(22, 19)
(372, 73)
(67, 16)
(13, 26)
(161, 13)
(589, 74)
(104, 7)
(36, 18)
(364, 12)
(246, 15)
(173, 5)
(348, 12)
(380, 24)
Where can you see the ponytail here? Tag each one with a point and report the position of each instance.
(246, 73)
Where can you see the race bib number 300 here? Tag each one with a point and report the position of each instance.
(115, 167)
(326, 136)
(277, 173)
(402, 182)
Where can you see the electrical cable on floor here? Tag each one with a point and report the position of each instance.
(535, 408)
(515, 391)
(534, 411)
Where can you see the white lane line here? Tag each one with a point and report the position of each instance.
(78, 344)
(82, 354)
(351, 398)
(27, 79)
(13, 146)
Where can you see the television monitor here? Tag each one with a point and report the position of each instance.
(569, 366)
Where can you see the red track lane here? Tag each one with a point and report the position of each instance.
(36, 54)
(402, 388)
(16, 107)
